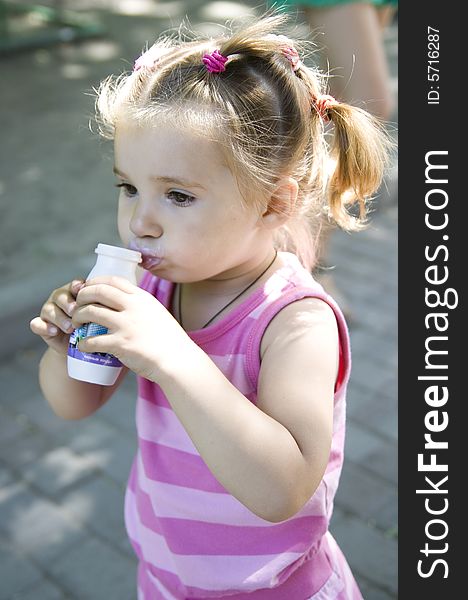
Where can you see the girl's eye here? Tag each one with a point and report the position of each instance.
(180, 198)
(128, 190)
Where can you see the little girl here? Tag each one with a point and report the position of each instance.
(242, 358)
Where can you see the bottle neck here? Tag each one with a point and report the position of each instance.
(109, 265)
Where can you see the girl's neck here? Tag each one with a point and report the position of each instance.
(231, 282)
(208, 301)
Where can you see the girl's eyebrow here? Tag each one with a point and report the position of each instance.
(119, 173)
(166, 179)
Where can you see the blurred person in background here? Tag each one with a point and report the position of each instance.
(350, 40)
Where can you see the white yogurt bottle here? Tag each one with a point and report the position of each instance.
(98, 367)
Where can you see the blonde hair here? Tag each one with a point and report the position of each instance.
(261, 111)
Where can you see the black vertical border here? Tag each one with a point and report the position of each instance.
(424, 128)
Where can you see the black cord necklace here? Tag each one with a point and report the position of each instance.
(231, 301)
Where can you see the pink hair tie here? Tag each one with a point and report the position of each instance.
(322, 104)
(215, 62)
(293, 56)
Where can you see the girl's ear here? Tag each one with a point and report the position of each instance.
(281, 204)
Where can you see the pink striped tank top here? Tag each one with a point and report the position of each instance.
(192, 538)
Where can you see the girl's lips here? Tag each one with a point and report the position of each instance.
(149, 262)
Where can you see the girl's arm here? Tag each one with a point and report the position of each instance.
(70, 398)
(270, 456)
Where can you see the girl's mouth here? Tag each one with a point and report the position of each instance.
(149, 258)
(149, 262)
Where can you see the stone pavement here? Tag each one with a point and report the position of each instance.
(62, 483)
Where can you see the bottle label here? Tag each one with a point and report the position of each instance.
(98, 358)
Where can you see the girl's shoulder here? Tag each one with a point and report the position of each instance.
(295, 300)
(309, 319)
(303, 325)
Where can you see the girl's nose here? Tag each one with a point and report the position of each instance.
(144, 220)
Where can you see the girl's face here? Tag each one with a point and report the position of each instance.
(181, 207)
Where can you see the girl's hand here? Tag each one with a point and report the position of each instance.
(142, 334)
(54, 324)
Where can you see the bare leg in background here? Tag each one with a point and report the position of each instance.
(350, 40)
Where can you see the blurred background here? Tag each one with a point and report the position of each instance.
(62, 484)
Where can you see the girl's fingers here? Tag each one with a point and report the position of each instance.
(54, 323)
(95, 343)
(65, 297)
(54, 315)
(75, 286)
(42, 328)
(101, 293)
(66, 303)
(118, 283)
(94, 313)
(51, 335)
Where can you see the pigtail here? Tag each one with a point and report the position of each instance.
(360, 148)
